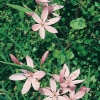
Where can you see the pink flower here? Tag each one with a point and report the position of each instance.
(52, 93)
(43, 24)
(68, 79)
(32, 78)
(78, 95)
(44, 57)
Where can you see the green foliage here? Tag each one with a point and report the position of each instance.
(78, 33)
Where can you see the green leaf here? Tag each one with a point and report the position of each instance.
(96, 18)
(20, 8)
(78, 23)
(69, 54)
(97, 4)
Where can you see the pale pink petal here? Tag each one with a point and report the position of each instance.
(63, 85)
(26, 86)
(44, 14)
(56, 7)
(39, 74)
(67, 70)
(29, 61)
(36, 27)
(61, 98)
(55, 14)
(67, 98)
(35, 84)
(18, 76)
(53, 85)
(83, 88)
(24, 71)
(72, 85)
(29, 13)
(44, 57)
(56, 77)
(36, 17)
(42, 33)
(48, 98)
(45, 91)
(40, 1)
(75, 74)
(79, 94)
(77, 81)
(51, 29)
(62, 72)
(65, 90)
(14, 59)
(53, 20)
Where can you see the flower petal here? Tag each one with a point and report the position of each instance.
(44, 57)
(36, 27)
(79, 94)
(39, 74)
(62, 72)
(18, 76)
(35, 84)
(67, 98)
(83, 88)
(56, 7)
(36, 17)
(75, 74)
(77, 81)
(42, 33)
(61, 98)
(44, 14)
(56, 77)
(14, 59)
(45, 91)
(48, 98)
(53, 85)
(29, 61)
(67, 70)
(53, 20)
(26, 86)
(63, 85)
(55, 14)
(51, 29)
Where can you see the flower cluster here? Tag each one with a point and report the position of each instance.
(67, 82)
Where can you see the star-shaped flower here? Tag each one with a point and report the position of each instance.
(32, 78)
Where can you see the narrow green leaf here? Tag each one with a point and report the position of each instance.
(20, 8)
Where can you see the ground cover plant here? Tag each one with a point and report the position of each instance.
(49, 50)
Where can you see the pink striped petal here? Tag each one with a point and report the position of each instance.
(39, 74)
(55, 14)
(77, 81)
(35, 84)
(53, 21)
(14, 59)
(51, 29)
(29, 61)
(42, 33)
(53, 85)
(83, 88)
(36, 17)
(67, 70)
(18, 76)
(36, 27)
(75, 74)
(45, 91)
(79, 94)
(26, 86)
(44, 14)
(44, 57)
(56, 77)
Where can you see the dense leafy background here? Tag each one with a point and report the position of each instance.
(82, 45)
